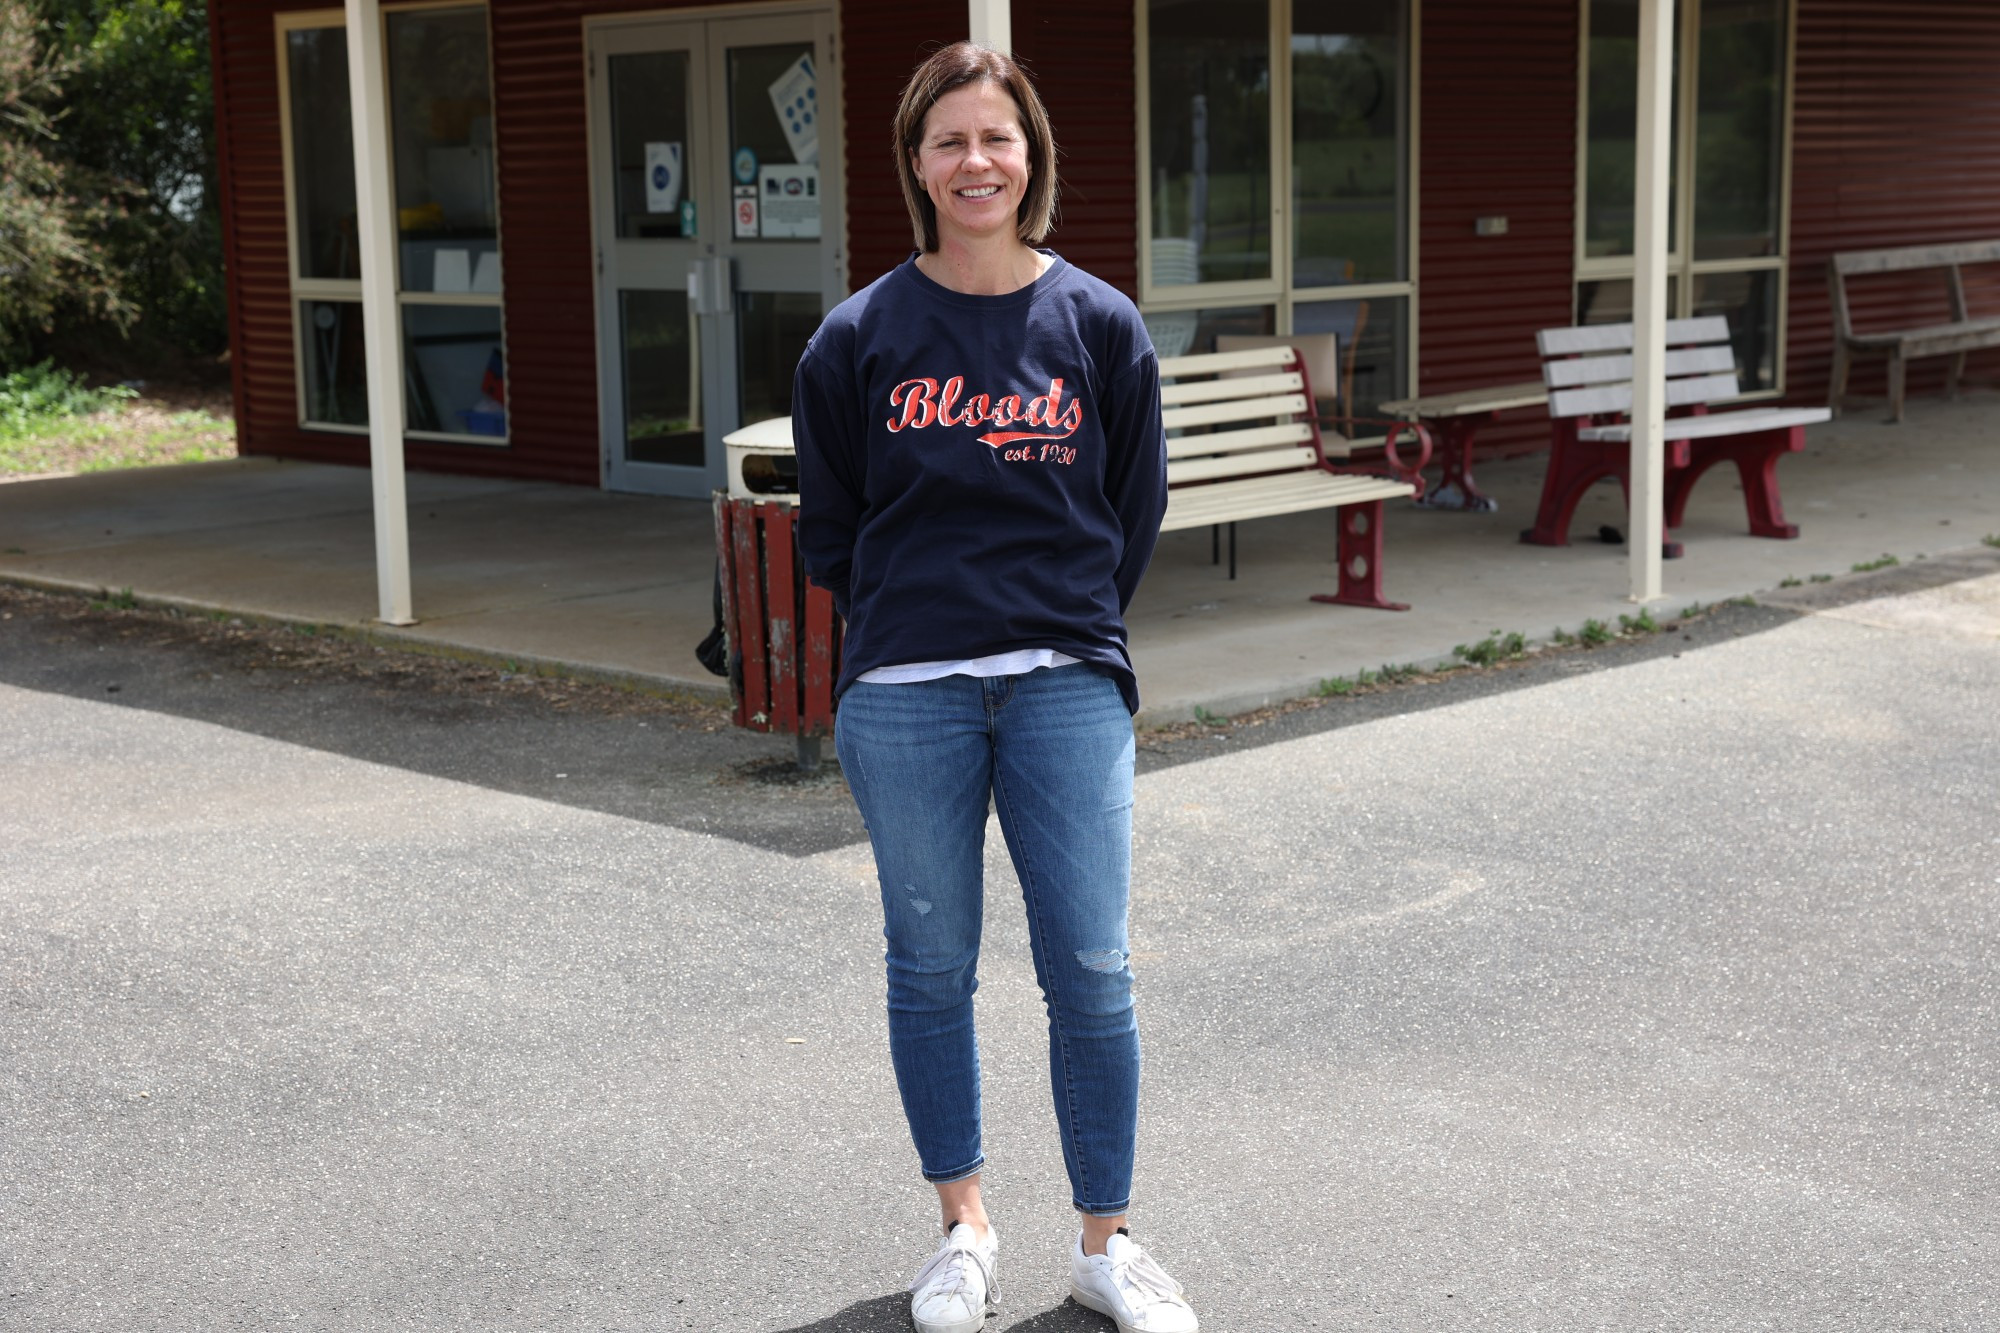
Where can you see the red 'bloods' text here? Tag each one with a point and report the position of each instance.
(924, 404)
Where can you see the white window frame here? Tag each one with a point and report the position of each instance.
(1682, 267)
(349, 289)
(1277, 290)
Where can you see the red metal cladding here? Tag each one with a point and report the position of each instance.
(1081, 56)
(1499, 102)
(1896, 141)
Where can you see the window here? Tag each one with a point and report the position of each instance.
(447, 223)
(1317, 95)
(1726, 236)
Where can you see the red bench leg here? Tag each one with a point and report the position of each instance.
(1574, 468)
(1360, 556)
(1756, 459)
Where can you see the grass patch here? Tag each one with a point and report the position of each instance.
(122, 600)
(1886, 562)
(1208, 719)
(51, 421)
(1495, 647)
(1643, 623)
(1594, 634)
(1991, 539)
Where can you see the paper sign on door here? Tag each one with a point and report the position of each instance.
(791, 201)
(663, 177)
(795, 97)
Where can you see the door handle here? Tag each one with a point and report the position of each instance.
(711, 286)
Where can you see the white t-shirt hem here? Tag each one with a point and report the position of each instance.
(1017, 663)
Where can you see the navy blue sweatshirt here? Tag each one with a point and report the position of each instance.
(979, 474)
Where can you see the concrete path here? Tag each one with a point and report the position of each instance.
(621, 585)
(1659, 997)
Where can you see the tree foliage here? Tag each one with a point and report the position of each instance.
(130, 126)
(53, 214)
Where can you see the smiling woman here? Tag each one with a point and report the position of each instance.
(982, 473)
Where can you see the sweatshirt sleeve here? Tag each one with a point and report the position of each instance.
(1136, 471)
(831, 440)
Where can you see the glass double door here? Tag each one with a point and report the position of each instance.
(718, 226)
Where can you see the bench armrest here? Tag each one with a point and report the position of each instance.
(1412, 472)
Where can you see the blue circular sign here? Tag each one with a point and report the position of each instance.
(745, 166)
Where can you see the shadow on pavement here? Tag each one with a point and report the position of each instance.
(581, 744)
(891, 1314)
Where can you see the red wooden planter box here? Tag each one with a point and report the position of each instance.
(784, 637)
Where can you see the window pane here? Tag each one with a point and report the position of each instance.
(1612, 131)
(1739, 117)
(322, 153)
(1191, 332)
(442, 124)
(650, 143)
(1209, 130)
(1363, 344)
(454, 375)
(772, 329)
(774, 140)
(1749, 301)
(1347, 142)
(1610, 301)
(336, 374)
(662, 377)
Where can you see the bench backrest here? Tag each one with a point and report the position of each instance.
(1238, 414)
(1589, 369)
(1915, 256)
(1905, 259)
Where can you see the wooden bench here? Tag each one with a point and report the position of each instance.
(1243, 442)
(1589, 376)
(1954, 338)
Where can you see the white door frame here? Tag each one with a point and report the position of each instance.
(708, 34)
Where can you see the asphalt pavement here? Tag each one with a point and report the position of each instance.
(1656, 989)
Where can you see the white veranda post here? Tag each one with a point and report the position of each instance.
(375, 201)
(1649, 298)
(992, 24)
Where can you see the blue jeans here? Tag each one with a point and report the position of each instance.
(1053, 748)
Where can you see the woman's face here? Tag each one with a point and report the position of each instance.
(973, 161)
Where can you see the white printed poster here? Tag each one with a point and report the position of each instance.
(795, 97)
(790, 197)
(663, 177)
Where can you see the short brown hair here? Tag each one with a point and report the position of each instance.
(946, 71)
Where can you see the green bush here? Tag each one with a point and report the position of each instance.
(44, 394)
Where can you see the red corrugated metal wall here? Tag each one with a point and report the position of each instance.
(1896, 134)
(1498, 88)
(879, 46)
(1081, 56)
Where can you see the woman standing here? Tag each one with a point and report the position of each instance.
(982, 475)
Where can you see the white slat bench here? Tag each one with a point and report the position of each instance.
(1961, 334)
(1589, 375)
(1243, 443)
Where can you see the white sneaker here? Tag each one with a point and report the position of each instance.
(954, 1291)
(1129, 1285)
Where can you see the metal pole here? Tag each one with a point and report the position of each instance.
(1649, 296)
(992, 23)
(382, 335)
